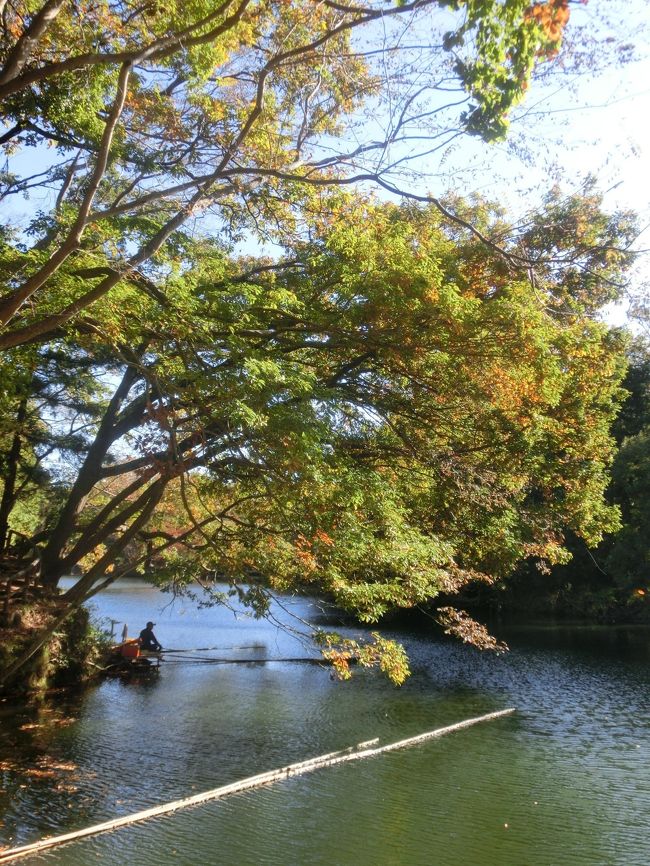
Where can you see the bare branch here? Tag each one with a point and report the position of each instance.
(65, 186)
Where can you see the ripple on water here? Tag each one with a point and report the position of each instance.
(564, 782)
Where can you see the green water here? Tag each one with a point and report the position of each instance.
(565, 780)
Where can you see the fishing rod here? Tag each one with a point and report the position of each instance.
(204, 661)
(204, 649)
(193, 659)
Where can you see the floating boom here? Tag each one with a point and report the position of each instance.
(367, 749)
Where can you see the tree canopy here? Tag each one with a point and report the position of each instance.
(237, 113)
(385, 413)
(405, 397)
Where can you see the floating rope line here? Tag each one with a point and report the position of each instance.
(366, 749)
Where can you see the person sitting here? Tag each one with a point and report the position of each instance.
(148, 640)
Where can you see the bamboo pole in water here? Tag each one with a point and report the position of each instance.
(353, 753)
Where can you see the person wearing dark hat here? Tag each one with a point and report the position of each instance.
(148, 640)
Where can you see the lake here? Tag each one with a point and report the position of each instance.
(565, 780)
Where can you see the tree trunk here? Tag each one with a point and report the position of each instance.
(89, 474)
(9, 490)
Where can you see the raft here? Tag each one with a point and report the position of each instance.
(129, 660)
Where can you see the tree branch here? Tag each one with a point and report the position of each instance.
(22, 50)
(156, 50)
(9, 305)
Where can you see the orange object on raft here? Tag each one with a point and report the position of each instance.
(130, 649)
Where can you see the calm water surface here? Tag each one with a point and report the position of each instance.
(566, 780)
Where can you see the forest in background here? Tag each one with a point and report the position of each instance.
(608, 582)
(392, 396)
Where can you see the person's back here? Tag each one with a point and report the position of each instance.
(148, 640)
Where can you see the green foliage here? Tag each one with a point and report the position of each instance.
(395, 417)
(634, 416)
(507, 40)
(625, 555)
(156, 116)
(389, 656)
(393, 407)
(608, 582)
(629, 558)
(387, 413)
(78, 648)
(583, 250)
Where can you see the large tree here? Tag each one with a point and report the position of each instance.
(393, 405)
(385, 413)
